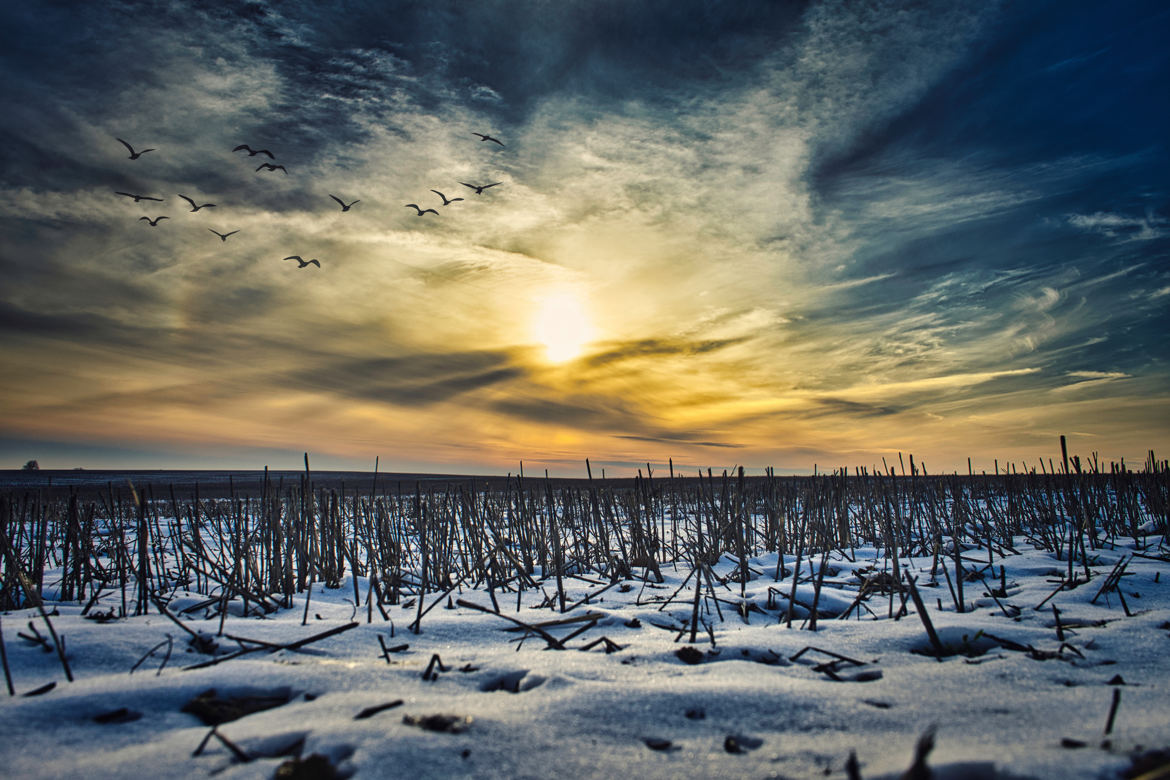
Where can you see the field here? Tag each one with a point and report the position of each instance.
(852, 624)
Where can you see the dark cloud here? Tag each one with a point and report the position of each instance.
(840, 407)
(601, 414)
(529, 49)
(410, 380)
(641, 348)
(193, 396)
(78, 328)
(594, 412)
(681, 439)
(224, 303)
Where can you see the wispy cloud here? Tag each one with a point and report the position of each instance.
(1072, 62)
(1085, 380)
(1120, 226)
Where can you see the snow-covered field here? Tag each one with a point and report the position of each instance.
(630, 694)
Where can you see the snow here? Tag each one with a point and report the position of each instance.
(568, 713)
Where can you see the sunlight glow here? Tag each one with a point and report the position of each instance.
(561, 324)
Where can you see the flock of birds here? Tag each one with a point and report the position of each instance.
(478, 189)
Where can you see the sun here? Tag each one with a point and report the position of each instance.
(561, 324)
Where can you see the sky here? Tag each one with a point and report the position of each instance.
(721, 233)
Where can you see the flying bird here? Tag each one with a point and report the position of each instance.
(483, 137)
(195, 207)
(302, 261)
(342, 203)
(253, 152)
(420, 210)
(153, 222)
(224, 236)
(137, 197)
(446, 202)
(271, 167)
(133, 154)
(480, 188)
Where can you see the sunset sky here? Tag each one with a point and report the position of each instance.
(727, 233)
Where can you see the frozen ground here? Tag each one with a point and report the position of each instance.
(744, 709)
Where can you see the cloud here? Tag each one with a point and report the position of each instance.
(1119, 226)
(409, 380)
(1076, 61)
(679, 439)
(76, 327)
(1090, 379)
(582, 411)
(485, 94)
(841, 406)
(641, 348)
(907, 392)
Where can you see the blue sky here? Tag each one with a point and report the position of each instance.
(768, 234)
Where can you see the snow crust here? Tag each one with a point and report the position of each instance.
(745, 709)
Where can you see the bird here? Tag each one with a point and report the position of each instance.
(483, 137)
(224, 236)
(253, 152)
(137, 197)
(342, 203)
(302, 261)
(479, 188)
(420, 211)
(446, 202)
(195, 207)
(271, 167)
(153, 222)
(133, 154)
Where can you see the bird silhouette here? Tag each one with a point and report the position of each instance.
(195, 207)
(253, 152)
(153, 222)
(224, 236)
(137, 197)
(478, 187)
(446, 202)
(133, 154)
(420, 211)
(342, 203)
(302, 261)
(271, 167)
(483, 137)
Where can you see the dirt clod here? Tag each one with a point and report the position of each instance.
(313, 767)
(213, 709)
(120, 715)
(447, 724)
